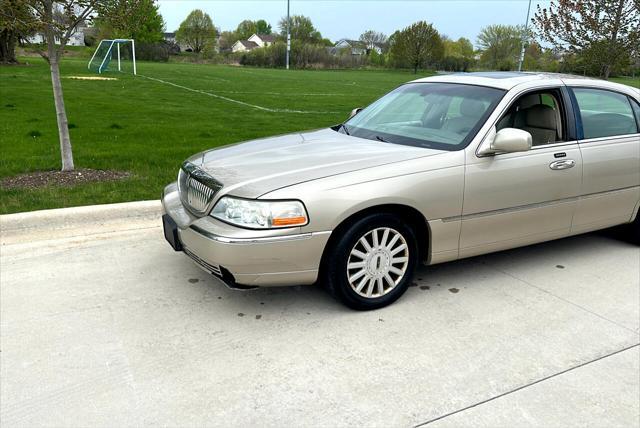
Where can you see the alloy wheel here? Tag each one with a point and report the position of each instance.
(377, 262)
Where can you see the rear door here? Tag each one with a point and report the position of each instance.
(610, 144)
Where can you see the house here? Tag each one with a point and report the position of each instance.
(77, 37)
(263, 40)
(171, 38)
(255, 41)
(243, 46)
(355, 47)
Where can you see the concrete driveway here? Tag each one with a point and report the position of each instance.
(102, 324)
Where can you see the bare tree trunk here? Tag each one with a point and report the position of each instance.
(8, 47)
(613, 49)
(54, 53)
(61, 115)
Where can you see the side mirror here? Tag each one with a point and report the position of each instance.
(507, 140)
(354, 112)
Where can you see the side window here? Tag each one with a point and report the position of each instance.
(539, 113)
(604, 113)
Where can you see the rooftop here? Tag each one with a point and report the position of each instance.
(267, 37)
(509, 79)
(248, 44)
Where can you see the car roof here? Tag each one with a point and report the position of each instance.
(509, 79)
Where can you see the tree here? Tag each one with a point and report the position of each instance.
(302, 29)
(197, 31)
(58, 21)
(604, 32)
(372, 39)
(227, 40)
(418, 45)
(247, 28)
(458, 54)
(500, 45)
(130, 19)
(263, 27)
(16, 22)
(461, 48)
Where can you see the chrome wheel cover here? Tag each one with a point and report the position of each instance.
(377, 262)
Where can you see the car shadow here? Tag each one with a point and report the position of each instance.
(440, 278)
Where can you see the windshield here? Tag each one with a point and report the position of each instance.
(435, 115)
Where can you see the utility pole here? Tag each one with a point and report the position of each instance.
(524, 38)
(289, 34)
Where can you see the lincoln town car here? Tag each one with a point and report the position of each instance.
(439, 169)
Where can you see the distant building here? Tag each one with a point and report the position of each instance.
(355, 47)
(243, 46)
(255, 41)
(77, 37)
(171, 38)
(263, 40)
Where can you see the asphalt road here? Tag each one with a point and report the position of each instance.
(102, 324)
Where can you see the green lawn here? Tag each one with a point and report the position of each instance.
(148, 128)
(635, 82)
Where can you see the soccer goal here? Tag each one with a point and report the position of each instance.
(124, 50)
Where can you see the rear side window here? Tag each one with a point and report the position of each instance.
(604, 113)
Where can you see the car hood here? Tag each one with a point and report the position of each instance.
(257, 167)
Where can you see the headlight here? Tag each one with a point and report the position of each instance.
(256, 214)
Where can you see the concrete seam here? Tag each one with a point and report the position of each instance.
(526, 385)
(566, 301)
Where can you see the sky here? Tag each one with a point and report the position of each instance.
(337, 19)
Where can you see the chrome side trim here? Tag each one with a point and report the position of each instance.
(530, 206)
(533, 148)
(613, 138)
(265, 240)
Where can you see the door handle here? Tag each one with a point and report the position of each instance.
(562, 164)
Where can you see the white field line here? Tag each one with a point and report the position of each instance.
(297, 94)
(208, 77)
(273, 76)
(231, 100)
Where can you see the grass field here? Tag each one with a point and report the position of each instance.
(148, 128)
(149, 124)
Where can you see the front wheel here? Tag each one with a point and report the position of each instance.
(372, 264)
(634, 229)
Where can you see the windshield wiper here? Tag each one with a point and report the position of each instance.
(379, 138)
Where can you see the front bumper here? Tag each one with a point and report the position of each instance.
(246, 257)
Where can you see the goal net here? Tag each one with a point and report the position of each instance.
(116, 54)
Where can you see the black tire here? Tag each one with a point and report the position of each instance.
(336, 273)
(634, 230)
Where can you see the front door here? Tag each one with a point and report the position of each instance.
(516, 199)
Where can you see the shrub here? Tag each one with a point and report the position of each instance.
(153, 51)
(303, 55)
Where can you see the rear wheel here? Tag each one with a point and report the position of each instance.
(372, 264)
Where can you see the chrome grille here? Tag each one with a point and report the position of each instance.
(197, 188)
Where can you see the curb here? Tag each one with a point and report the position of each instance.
(80, 217)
